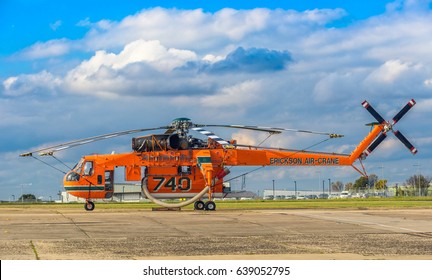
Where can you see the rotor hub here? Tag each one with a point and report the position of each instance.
(182, 125)
(388, 126)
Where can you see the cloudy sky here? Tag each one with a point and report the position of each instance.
(78, 69)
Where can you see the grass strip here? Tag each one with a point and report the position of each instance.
(352, 203)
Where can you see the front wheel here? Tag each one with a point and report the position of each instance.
(89, 206)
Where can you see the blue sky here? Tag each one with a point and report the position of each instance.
(81, 68)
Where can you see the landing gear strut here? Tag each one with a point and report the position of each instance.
(89, 205)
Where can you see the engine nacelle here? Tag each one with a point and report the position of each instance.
(159, 142)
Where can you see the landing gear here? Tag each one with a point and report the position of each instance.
(210, 206)
(89, 205)
(199, 205)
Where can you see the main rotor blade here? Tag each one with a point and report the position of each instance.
(274, 130)
(405, 141)
(210, 135)
(67, 145)
(373, 112)
(403, 111)
(257, 128)
(375, 143)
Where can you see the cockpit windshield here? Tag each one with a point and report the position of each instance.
(74, 175)
(78, 166)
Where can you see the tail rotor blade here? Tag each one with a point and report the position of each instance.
(405, 141)
(372, 111)
(375, 143)
(404, 110)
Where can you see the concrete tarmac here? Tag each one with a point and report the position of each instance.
(65, 233)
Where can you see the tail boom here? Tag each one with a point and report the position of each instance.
(366, 142)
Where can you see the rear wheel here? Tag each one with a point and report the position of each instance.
(199, 205)
(210, 206)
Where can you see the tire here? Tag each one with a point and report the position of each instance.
(199, 205)
(89, 206)
(210, 206)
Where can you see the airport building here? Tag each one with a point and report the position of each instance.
(285, 194)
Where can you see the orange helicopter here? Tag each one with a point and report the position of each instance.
(175, 164)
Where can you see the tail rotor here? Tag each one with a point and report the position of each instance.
(387, 126)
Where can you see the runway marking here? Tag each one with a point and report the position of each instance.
(75, 224)
(357, 222)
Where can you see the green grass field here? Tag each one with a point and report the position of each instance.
(369, 203)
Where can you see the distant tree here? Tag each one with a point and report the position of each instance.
(361, 183)
(27, 197)
(420, 183)
(349, 186)
(372, 180)
(381, 184)
(336, 186)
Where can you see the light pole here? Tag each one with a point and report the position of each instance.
(382, 171)
(418, 177)
(323, 187)
(329, 186)
(274, 196)
(22, 193)
(295, 189)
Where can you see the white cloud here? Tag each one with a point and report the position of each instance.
(408, 5)
(238, 96)
(40, 84)
(109, 74)
(54, 26)
(8, 83)
(389, 72)
(236, 24)
(245, 138)
(194, 29)
(50, 48)
(424, 105)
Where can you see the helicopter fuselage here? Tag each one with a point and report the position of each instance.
(178, 173)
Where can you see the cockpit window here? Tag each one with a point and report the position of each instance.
(72, 176)
(88, 168)
(78, 166)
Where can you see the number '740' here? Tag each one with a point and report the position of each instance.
(182, 183)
